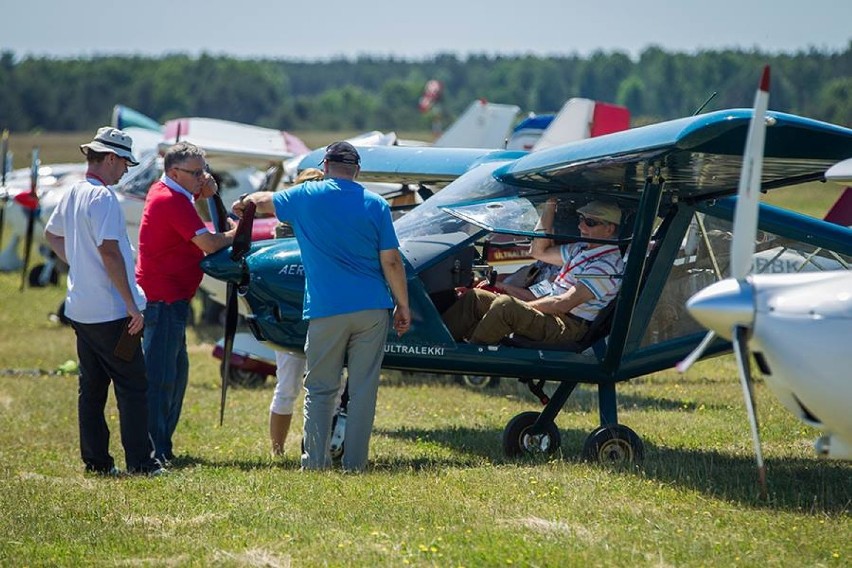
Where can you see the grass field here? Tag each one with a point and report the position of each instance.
(439, 491)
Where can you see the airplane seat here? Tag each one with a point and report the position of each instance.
(599, 329)
(625, 230)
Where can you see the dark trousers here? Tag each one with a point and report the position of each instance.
(98, 366)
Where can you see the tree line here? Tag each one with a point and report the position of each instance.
(368, 93)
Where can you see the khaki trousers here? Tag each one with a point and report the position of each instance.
(486, 318)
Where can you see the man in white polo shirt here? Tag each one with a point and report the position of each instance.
(88, 231)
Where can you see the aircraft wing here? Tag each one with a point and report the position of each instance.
(232, 144)
(699, 157)
(404, 164)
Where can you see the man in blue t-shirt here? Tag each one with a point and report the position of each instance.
(351, 257)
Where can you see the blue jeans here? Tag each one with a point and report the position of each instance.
(167, 364)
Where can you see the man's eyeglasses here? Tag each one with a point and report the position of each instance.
(199, 173)
(589, 222)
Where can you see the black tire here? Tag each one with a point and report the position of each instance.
(337, 451)
(478, 382)
(614, 444)
(246, 379)
(336, 454)
(517, 441)
(34, 276)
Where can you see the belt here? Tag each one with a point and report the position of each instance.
(576, 318)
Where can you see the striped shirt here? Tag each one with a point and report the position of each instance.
(599, 269)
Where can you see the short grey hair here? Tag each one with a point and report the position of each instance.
(180, 153)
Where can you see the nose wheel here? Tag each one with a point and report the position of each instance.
(615, 444)
(519, 438)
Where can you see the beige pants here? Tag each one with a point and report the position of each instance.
(484, 317)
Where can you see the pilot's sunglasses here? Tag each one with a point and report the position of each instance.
(589, 222)
(197, 173)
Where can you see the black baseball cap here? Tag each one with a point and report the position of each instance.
(342, 152)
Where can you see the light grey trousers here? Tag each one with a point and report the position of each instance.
(358, 337)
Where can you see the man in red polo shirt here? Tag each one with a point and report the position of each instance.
(172, 241)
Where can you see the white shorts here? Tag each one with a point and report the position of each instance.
(290, 375)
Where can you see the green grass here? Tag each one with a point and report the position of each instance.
(438, 492)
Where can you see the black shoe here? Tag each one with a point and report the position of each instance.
(105, 472)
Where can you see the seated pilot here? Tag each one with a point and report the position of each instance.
(588, 281)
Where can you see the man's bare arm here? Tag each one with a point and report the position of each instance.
(211, 242)
(394, 272)
(57, 245)
(565, 302)
(545, 249)
(262, 201)
(117, 272)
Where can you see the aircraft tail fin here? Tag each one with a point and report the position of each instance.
(482, 125)
(579, 119)
(123, 117)
(841, 212)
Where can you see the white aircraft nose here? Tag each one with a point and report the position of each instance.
(723, 305)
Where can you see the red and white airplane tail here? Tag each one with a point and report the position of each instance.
(579, 119)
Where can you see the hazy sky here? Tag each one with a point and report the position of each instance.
(322, 29)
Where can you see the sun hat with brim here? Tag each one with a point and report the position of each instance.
(602, 211)
(342, 152)
(112, 140)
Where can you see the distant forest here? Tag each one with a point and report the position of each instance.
(370, 93)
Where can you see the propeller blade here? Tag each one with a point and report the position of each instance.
(242, 243)
(31, 218)
(683, 366)
(242, 238)
(740, 334)
(219, 213)
(231, 314)
(748, 193)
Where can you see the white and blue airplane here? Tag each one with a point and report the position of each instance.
(795, 325)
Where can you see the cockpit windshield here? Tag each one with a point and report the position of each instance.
(477, 203)
(430, 219)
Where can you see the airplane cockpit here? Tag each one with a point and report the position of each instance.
(479, 228)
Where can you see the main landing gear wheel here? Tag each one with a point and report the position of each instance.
(37, 279)
(615, 444)
(244, 378)
(478, 382)
(517, 440)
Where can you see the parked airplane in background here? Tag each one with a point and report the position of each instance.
(578, 119)
(51, 183)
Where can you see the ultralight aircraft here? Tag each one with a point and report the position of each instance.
(675, 183)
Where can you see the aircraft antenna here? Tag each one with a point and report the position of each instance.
(705, 103)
